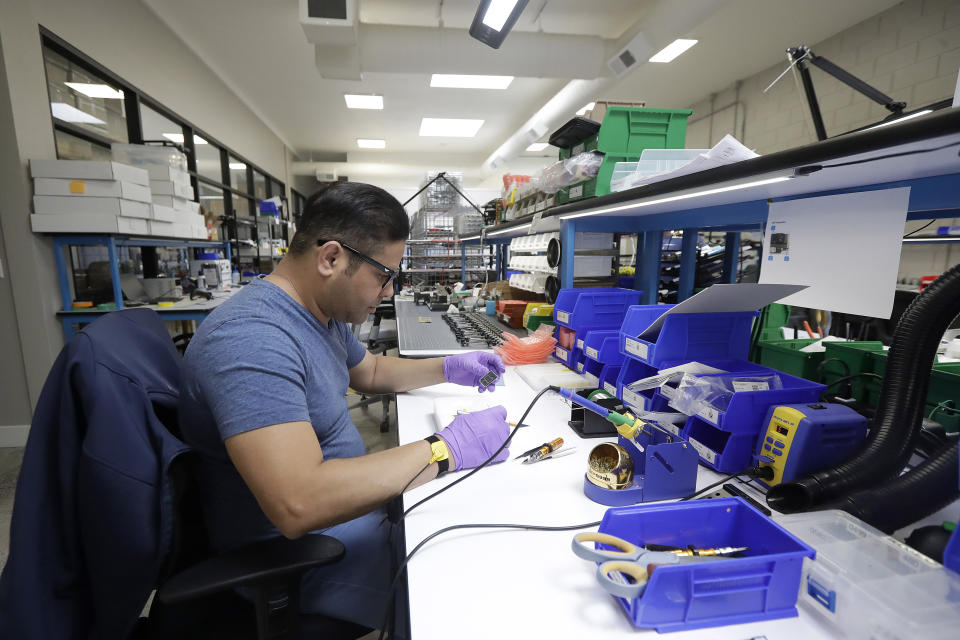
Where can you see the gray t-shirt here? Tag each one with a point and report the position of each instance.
(257, 360)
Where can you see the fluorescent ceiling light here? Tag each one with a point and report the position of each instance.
(673, 50)
(211, 197)
(587, 107)
(510, 230)
(368, 143)
(96, 90)
(455, 81)
(450, 127)
(494, 19)
(356, 101)
(178, 138)
(237, 166)
(684, 196)
(497, 13)
(908, 117)
(537, 146)
(67, 113)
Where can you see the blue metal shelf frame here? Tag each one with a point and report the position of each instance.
(503, 255)
(61, 242)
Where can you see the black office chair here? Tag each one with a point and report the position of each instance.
(93, 531)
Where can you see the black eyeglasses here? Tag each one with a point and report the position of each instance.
(386, 272)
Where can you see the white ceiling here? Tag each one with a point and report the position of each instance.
(260, 50)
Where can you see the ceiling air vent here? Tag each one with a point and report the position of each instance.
(330, 22)
(627, 58)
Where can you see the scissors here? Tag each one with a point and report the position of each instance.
(625, 558)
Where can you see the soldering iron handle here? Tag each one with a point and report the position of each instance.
(587, 404)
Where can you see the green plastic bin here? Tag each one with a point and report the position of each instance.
(943, 387)
(785, 356)
(857, 357)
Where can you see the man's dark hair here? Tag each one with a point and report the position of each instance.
(361, 215)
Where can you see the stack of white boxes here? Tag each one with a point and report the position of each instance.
(175, 214)
(81, 196)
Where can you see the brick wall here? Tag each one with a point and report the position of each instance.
(911, 52)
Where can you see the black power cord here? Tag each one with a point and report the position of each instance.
(753, 472)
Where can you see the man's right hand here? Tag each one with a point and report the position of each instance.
(473, 437)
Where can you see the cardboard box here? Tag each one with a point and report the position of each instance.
(178, 203)
(70, 205)
(88, 223)
(171, 188)
(166, 172)
(88, 170)
(163, 214)
(91, 188)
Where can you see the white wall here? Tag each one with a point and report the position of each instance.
(911, 52)
(129, 40)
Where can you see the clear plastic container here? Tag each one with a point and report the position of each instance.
(865, 584)
(652, 162)
(140, 154)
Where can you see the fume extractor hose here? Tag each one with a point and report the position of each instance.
(895, 426)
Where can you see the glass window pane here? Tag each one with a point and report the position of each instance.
(158, 128)
(208, 162)
(238, 175)
(211, 199)
(83, 99)
(259, 186)
(70, 147)
(243, 206)
(276, 189)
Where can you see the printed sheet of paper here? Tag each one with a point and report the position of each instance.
(845, 248)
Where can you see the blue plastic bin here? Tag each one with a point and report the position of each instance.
(761, 586)
(607, 379)
(720, 450)
(603, 346)
(703, 337)
(747, 409)
(584, 309)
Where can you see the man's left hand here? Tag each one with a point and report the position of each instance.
(468, 368)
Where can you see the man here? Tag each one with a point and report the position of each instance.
(263, 401)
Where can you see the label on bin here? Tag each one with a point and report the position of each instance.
(563, 316)
(580, 367)
(595, 381)
(741, 385)
(592, 353)
(635, 400)
(710, 414)
(579, 344)
(635, 347)
(610, 388)
(668, 391)
(576, 192)
(672, 428)
(705, 452)
(562, 353)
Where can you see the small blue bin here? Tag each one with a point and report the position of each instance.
(720, 450)
(683, 337)
(603, 346)
(761, 586)
(584, 309)
(607, 378)
(491, 307)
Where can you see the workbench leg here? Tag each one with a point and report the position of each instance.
(568, 232)
(463, 264)
(115, 273)
(62, 276)
(647, 272)
(67, 328)
(731, 257)
(688, 264)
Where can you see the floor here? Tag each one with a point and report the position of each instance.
(367, 420)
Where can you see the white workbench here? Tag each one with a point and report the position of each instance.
(494, 583)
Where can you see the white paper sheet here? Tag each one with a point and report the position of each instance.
(727, 151)
(727, 298)
(845, 247)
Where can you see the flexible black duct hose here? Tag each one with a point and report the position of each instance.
(927, 488)
(899, 411)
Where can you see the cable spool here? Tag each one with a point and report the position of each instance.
(553, 253)
(551, 288)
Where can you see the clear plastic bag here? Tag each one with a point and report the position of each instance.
(570, 171)
(696, 393)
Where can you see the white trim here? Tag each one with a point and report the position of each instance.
(14, 435)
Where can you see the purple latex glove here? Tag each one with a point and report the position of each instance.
(473, 437)
(468, 368)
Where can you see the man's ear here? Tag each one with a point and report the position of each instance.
(327, 257)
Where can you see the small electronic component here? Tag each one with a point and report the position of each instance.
(489, 378)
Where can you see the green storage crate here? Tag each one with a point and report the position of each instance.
(533, 322)
(579, 191)
(785, 356)
(778, 315)
(588, 144)
(627, 131)
(857, 357)
(943, 387)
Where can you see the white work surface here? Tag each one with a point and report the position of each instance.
(499, 583)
